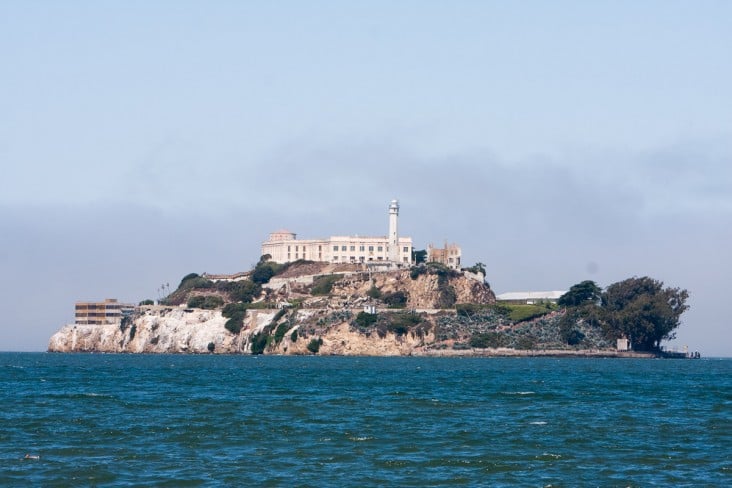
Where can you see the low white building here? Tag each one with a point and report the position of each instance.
(283, 246)
(530, 297)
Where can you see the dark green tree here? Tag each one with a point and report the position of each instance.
(642, 310)
(581, 294)
(419, 256)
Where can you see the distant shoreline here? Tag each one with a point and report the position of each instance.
(556, 353)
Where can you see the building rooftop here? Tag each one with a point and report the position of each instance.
(530, 295)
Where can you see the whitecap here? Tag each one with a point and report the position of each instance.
(538, 422)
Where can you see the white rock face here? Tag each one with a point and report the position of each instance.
(161, 331)
(170, 331)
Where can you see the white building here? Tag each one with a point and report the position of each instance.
(283, 246)
(530, 297)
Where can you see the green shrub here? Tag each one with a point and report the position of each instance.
(259, 343)
(209, 302)
(374, 292)
(235, 323)
(397, 299)
(416, 271)
(399, 323)
(240, 291)
(232, 309)
(147, 302)
(526, 342)
(314, 345)
(365, 319)
(211, 347)
(323, 285)
(293, 336)
(488, 339)
(280, 332)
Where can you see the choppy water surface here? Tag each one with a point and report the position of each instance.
(324, 421)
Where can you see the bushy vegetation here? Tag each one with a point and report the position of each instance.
(365, 319)
(484, 340)
(397, 299)
(211, 347)
(243, 291)
(476, 268)
(400, 323)
(147, 302)
(314, 345)
(642, 310)
(323, 285)
(419, 256)
(209, 302)
(293, 336)
(374, 292)
(235, 312)
(260, 341)
(281, 331)
(584, 293)
(193, 281)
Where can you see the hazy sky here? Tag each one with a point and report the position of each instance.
(554, 141)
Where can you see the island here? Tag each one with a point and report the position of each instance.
(378, 296)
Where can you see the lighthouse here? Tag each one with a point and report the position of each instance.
(393, 231)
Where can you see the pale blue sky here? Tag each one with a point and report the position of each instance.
(555, 141)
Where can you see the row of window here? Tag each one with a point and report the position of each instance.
(363, 259)
(363, 248)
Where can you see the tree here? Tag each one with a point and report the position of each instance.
(419, 256)
(642, 310)
(583, 293)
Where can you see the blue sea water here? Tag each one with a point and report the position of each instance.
(116, 420)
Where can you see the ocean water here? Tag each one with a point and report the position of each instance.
(131, 420)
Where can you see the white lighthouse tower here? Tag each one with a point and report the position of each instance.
(393, 231)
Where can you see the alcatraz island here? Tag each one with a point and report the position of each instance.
(378, 296)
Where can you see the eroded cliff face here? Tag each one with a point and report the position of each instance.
(173, 331)
(328, 319)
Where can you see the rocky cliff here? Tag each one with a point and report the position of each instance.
(324, 323)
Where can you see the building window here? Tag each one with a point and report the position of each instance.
(335, 258)
(288, 248)
(335, 248)
(297, 248)
(406, 249)
(353, 248)
(371, 248)
(362, 248)
(381, 248)
(343, 248)
(405, 259)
